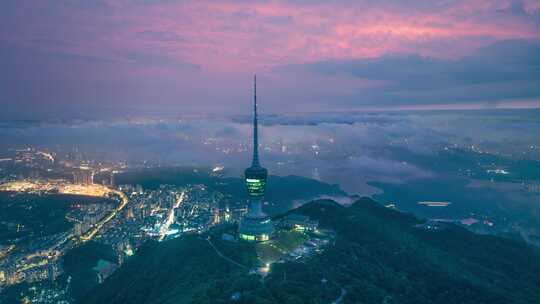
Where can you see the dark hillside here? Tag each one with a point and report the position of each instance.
(379, 256)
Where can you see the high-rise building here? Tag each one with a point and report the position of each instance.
(112, 180)
(84, 176)
(255, 225)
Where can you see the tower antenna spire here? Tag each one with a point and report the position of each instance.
(255, 161)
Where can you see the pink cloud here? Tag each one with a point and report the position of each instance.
(236, 35)
(179, 51)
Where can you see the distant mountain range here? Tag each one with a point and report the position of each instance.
(379, 256)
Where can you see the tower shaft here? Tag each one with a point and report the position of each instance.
(255, 161)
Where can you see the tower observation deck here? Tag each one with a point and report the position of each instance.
(255, 226)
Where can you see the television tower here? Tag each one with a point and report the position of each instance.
(255, 226)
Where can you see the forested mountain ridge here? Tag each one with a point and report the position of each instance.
(379, 255)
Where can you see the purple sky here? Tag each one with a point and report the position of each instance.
(77, 58)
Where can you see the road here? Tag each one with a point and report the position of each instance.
(68, 241)
(341, 296)
(170, 217)
(223, 256)
(94, 230)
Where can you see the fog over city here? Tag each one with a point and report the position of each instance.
(370, 146)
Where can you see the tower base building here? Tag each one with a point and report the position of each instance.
(256, 229)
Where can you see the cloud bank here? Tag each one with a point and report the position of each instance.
(135, 57)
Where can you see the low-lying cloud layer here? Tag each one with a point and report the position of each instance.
(348, 149)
